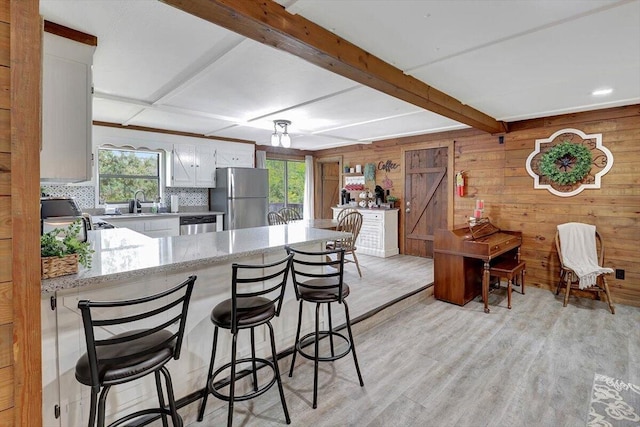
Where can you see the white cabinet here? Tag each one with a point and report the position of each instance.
(379, 233)
(193, 166)
(235, 155)
(66, 110)
(150, 226)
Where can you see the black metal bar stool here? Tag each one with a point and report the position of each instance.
(154, 336)
(318, 278)
(257, 292)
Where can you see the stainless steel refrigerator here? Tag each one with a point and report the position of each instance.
(243, 195)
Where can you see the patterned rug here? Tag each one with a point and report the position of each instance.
(614, 403)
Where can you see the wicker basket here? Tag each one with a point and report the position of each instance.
(55, 266)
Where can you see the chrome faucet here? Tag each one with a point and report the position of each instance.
(135, 198)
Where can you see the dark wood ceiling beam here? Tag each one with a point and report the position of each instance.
(269, 23)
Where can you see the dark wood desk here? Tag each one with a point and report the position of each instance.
(462, 262)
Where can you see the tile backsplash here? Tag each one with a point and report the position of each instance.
(85, 194)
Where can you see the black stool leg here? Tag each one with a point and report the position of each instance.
(353, 344)
(253, 359)
(94, 403)
(175, 418)
(156, 374)
(333, 353)
(232, 380)
(295, 343)
(101, 405)
(277, 373)
(315, 358)
(205, 393)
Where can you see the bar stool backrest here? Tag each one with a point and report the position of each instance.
(141, 317)
(266, 281)
(318, 270)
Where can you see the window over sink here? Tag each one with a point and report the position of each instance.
(123, 172)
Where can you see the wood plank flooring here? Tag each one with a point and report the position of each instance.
(438, 364)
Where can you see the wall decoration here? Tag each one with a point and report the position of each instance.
(369, 172)
(387, 166)
(568, 162)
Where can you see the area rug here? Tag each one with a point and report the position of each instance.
(614, 403)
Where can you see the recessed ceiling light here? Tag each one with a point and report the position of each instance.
(601, 92)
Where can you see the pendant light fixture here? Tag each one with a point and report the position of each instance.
(282, 138)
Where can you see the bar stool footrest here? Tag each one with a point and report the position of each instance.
(310, 338)
(149, 413)
(251, 394)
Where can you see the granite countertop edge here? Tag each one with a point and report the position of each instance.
(49, 286)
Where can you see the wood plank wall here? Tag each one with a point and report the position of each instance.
(496, 173)
(20, 63)
(6, 284)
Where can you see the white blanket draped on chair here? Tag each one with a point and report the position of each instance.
(578, 246)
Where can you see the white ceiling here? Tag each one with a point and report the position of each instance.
(156, 66)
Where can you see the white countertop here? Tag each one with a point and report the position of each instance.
(121, 253)
(105, 217)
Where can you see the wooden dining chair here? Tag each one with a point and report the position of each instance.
(344, 212)
(569, 279)
(274, 218)
(290, 214)
(349, 223)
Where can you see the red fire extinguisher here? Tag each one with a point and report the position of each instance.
(460, 183)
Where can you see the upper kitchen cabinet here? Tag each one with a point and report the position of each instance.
(235, 155)
(66, 110)
(193, 166)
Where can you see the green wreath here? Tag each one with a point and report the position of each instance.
(566, 163)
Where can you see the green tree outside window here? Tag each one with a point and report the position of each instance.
(123, 172)
(286, 184)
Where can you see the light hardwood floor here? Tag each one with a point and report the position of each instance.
(431, 363)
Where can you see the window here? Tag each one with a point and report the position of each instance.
(122, 172)
(286, 184)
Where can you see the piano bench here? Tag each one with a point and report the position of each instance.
(510, 269)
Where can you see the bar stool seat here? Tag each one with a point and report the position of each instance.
(509, 269)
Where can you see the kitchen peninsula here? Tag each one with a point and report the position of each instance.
(127, 265)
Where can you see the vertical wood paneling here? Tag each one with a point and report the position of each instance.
(6, 303)
(5, 131)
(24, 385)
(6, 388)
(496, 173)
(6, 339)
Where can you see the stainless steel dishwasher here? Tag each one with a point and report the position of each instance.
(195, 224)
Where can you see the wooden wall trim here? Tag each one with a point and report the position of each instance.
(170, 132)
(26, 60)
(284, 153)
(568, 119)
(70, 33)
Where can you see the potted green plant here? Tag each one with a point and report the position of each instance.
(61, 251)
(392, 201)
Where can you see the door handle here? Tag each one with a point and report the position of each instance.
(408, 210)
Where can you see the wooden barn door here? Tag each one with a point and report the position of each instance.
(426, 199)
(329, 188)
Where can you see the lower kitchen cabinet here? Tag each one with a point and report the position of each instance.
(149, 226)
(379, 233)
